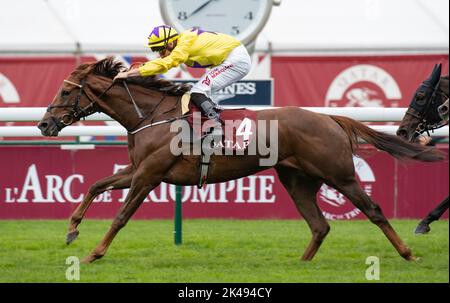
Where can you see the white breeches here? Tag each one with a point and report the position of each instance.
(235, 67)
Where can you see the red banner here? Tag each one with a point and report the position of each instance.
(32, 81)
(48, 183)
(388, 81)
(370, 81)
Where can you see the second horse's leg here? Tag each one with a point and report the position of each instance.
(120, 180)
(434, 215)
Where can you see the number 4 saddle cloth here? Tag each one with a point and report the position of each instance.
(238, 125)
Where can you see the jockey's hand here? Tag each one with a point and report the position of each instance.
(120, 76)
(124, 75)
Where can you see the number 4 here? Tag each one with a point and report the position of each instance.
(245, 129)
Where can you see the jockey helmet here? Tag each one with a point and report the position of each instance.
(161, 36)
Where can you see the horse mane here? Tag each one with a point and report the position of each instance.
(108, 67)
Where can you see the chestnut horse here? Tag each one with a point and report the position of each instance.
(313, 149)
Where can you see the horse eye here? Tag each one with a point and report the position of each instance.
(65, 93)
(67, 119)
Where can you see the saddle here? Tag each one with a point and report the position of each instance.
(238, 125)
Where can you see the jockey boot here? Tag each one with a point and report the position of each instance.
(208, 109)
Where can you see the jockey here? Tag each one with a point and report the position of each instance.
(226, 57)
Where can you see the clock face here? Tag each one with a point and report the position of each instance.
(242, 19)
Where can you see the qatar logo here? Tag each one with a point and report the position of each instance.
(363, 85)
(8, 92)
(334, 205)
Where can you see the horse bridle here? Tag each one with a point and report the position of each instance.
(424, 125)
(77, 112)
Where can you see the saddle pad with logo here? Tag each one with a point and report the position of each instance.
(238, 125)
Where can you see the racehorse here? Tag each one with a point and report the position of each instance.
(425, 113)
(313, 149)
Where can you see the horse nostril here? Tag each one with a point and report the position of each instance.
(43, 125)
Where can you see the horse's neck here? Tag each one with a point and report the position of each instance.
(153, 105)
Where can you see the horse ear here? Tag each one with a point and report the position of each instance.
(433, 79)
(437, 74)
(439, 69)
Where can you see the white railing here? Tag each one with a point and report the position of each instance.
(366, 114)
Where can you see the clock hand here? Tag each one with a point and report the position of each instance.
(200, 8)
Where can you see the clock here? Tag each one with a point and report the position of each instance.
(242, 19)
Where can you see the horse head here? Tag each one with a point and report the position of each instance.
(81, 95)
(423, 111)
(74, 100)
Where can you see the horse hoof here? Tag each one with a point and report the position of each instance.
(91, 258)
(422, 229)
(413, 258)
(72, 236)
(88, 259)
(305, 259)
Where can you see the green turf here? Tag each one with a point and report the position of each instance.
(220, 251)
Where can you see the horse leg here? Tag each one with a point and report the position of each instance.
(140, 188)
(434, 215)
(302, 190)
(352, 190)
(120, 180)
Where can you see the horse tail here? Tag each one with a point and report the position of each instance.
(396, 146)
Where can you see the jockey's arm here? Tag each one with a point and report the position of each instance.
(179, 55)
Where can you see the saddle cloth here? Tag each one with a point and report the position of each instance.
(238, 125)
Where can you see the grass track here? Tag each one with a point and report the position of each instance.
(220, 251)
